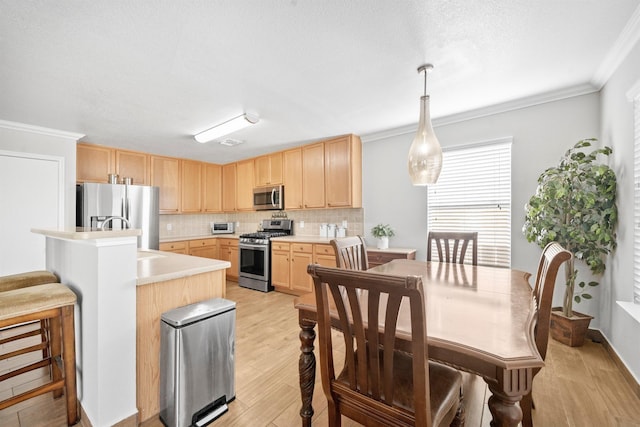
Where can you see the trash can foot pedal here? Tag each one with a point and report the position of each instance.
(210, 413)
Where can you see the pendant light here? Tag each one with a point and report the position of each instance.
(425, 154)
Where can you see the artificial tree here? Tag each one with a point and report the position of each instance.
(575, 205)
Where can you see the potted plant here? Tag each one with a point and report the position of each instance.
(575, 205)
(382, 232)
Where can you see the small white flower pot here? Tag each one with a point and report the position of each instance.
(383, 242)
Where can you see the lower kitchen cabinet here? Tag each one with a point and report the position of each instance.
(382, 256)
(205, 248)
(289, 263)
(175, 247)
(280, 265)
(228, 251)
(301, 257)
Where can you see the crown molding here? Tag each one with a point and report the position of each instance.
(622, 46)
(40, 130)
(503, 107)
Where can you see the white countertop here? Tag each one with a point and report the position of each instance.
(158, 266)
(302, 239)
(203, 236)
(85, 233)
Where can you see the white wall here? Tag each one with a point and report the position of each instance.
(32, 206)
(617, 131)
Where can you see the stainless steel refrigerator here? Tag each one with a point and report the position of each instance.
(118, 206)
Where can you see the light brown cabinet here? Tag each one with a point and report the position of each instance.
(292, 178)
(280, 265)
(229, 187)
(94, 163)
(268, 170)
(343, 172)
(212, 191)
(324, 255)
(289, 263)
(132, 164)
(205, 248)
(244, 185)
(301, 257)
(165, 174)
(191, 187)
(313, 176)
(228, 251)
(180, 247)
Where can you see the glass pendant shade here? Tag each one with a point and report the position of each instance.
(425, 154)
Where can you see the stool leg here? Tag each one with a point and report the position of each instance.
(55, 346)
(69, 353)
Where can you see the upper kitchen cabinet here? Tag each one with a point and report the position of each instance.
(165, 173)
(191, 183)
(229, 187)
(312, 176)
(212, 191)
(268, 169)
(94, 163)
(292, 178)
(244, 185)
(343, 172)
(132, 164)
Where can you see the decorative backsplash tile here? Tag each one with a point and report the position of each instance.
(175, 226)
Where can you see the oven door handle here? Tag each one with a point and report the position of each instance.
(250, 246)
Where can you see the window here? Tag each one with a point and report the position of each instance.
(473, 193)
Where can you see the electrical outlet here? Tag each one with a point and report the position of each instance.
(169, 227)
(344, 223)
(301, 224)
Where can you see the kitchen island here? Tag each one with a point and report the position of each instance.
(166, 281)
(121, 294)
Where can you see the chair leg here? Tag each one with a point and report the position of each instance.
(55, 347)
(335, 419)
(526, 404)
(69, 359)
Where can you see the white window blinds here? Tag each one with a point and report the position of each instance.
(636, 200)
(473, 193)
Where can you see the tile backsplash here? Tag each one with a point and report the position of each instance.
(176, 226)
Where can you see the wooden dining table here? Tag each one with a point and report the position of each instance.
(479, 319)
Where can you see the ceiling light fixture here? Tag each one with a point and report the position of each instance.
(227, 127)
(425, 154)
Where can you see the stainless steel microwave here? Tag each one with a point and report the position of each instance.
(221, 228)
(268, 198)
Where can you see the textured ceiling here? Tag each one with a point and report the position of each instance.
(147, 75)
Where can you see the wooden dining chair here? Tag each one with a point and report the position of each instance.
(452, 246)
(380, 385)
(553, 256)
(351, 253)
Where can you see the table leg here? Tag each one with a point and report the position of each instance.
(307, 368)
(504, 407)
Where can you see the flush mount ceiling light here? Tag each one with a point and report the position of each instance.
(425, 154)
(227, 127)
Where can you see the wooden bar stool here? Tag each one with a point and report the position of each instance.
(52, 303)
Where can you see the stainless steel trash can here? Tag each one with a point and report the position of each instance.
(197, 362)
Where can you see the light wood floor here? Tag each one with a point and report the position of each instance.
(578, 386)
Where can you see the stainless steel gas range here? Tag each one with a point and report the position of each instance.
(255, 254)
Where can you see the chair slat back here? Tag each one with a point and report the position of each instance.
(360, 300)
(351, 253)
(553, 256)
(452, 246)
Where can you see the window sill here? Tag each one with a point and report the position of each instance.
(631, 308)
